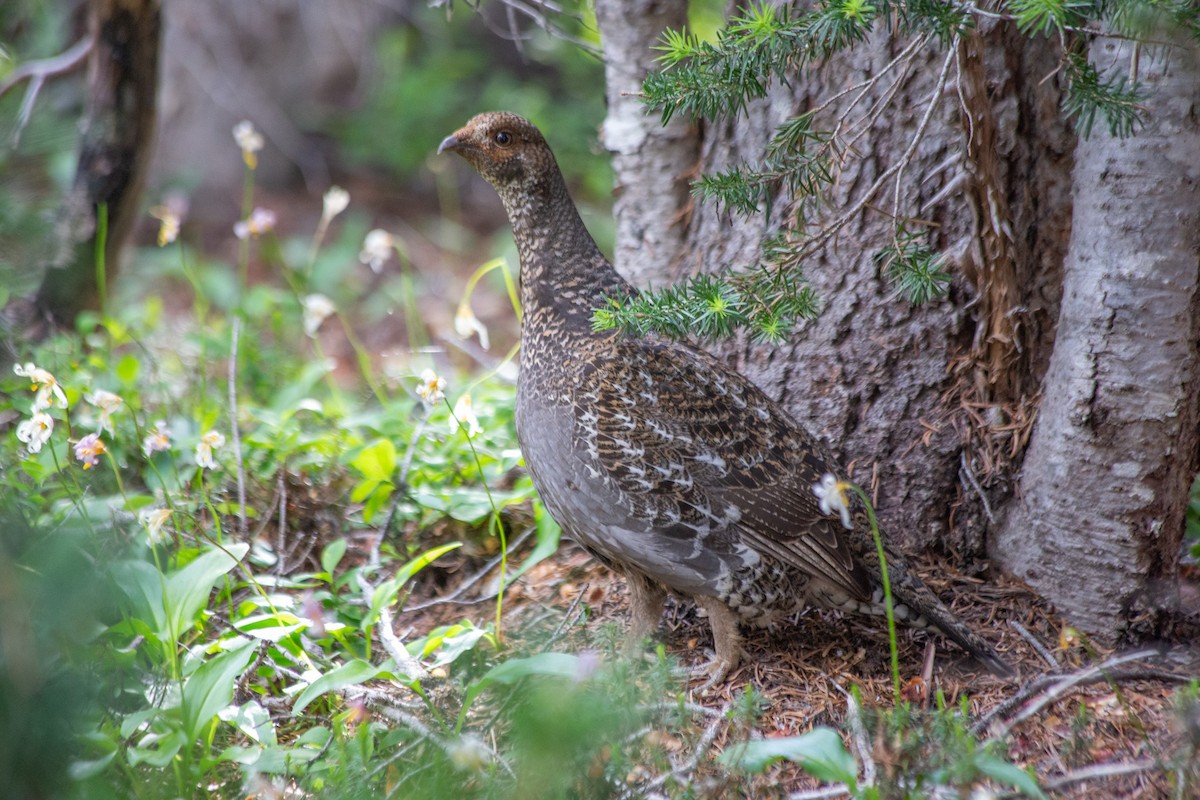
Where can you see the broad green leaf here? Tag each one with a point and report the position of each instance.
(271, 627)
(819, 752)
(187, 589)
(251, 719)
(1000, 770)
(376, 461)
(450, 642)
(143, 585)
(331, 556)
(352, 673)
(157, 750)
(210, 688)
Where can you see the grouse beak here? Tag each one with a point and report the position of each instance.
(451, 142)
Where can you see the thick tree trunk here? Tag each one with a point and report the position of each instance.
(892, 387)
(653, 164)
(1104, 487)
(118, 134)
(933, 408)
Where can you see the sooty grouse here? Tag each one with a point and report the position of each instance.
(665, 464)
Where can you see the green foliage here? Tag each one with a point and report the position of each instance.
(914, 268)
(1087, 95)
(766, 301)
(434, 74)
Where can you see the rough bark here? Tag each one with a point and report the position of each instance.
(118, 134)
(1104, 487)
(653, 164)
(874, 376)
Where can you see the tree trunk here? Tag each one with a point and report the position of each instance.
(1105, 485)
(653, 164)
(118, 134)
(933, 407)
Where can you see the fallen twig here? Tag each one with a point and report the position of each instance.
(1037, 646)
(1049, 689)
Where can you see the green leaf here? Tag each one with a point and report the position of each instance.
(331, 556)
(157, 750)
(1000, 770)
(819, 752)
(143, 585)
(127, 369)
(187, 590)
(352, 673)
(376, 461)
(210, 688)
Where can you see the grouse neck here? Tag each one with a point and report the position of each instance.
(563, 270)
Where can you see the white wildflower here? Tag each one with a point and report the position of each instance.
(249, 140)
(157, 440)
(466, 324)
(334, 202)
(832, 494)
(36, 430)
(317, 308)
(377, 249)
(152, 520)
(109, 404)
(464, 417)
(204, 450)
(49, 393)
(260, 221)
(89, 449)
(432, 388)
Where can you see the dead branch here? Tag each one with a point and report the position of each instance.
(36, 72)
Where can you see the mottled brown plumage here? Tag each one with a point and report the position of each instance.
(665, 464)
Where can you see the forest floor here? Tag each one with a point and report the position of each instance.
(1089, 721)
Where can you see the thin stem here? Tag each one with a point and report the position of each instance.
(887, 590)
(495, 518)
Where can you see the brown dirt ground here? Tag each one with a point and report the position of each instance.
(1130, 717)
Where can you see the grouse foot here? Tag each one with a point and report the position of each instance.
(727, 642)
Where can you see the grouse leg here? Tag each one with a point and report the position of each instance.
(727, 641)
(645, 608)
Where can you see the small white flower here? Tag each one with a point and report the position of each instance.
(466, 324)
(168, 224)
(89, 449)
(469, 753)
(49, 393)
(36, 430)
(109, 404)
(157, 440)
(832, 494)
(377, 249)
(432, 388)
(259, 222)
(204, 450)
(152, 520)
(334, 202)
(464, 417)
(317, 308)
(249, 140)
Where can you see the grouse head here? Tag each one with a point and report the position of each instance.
(509, 152)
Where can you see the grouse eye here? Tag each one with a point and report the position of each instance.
(503, 138)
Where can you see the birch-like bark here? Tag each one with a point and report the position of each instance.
(653, 165)
(1096, 525)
